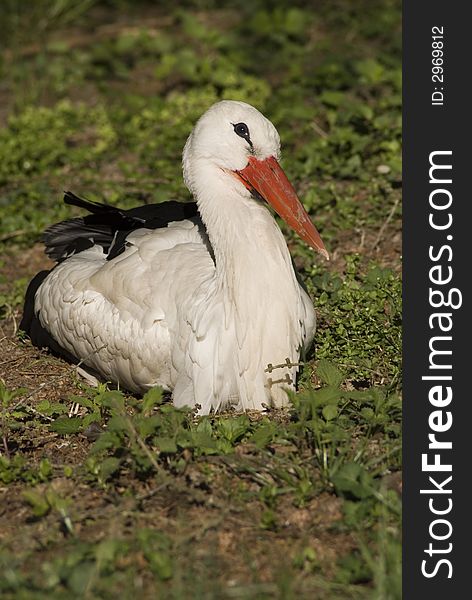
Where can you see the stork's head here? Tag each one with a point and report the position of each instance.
(237, 139)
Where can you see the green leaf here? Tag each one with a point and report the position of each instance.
(295, 21)
(361, 396)
(106, 551)
(152, 398)
(331, 97)
(224, 446)
(353, 480)
(91, 418)
(327, 395)
(156, 549)
(114, 400)
(44, 406)
(45, 469)
(269, 520)
(161, 564)
(82, 401)
(233, 428)
(329, 373)
(353, 569)
(66, 426)
(79, 578)
(204, 443)
(118, 424)
(39, 505)
(68, 471)
(330, 412)
(146, 426)
(367, 413)
(108, 467)
(184, 439)
(107, 439)
(166, 445)
(205, 426)
(263, 435)
(371, 70)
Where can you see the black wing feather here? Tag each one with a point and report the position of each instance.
(108, 226)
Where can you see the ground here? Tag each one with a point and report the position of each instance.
(106, 495)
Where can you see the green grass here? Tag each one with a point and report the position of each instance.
(309, 451)
(127, 496)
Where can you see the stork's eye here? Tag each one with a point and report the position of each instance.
(242, 130)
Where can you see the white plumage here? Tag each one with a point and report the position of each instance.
(207, 312)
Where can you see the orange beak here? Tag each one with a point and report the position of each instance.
(267, 178)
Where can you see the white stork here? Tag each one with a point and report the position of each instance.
(200, 299)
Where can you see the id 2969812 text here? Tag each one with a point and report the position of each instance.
(437, 62)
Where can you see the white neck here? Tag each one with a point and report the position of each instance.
(256, 284)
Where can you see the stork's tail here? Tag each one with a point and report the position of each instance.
(90, 205)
